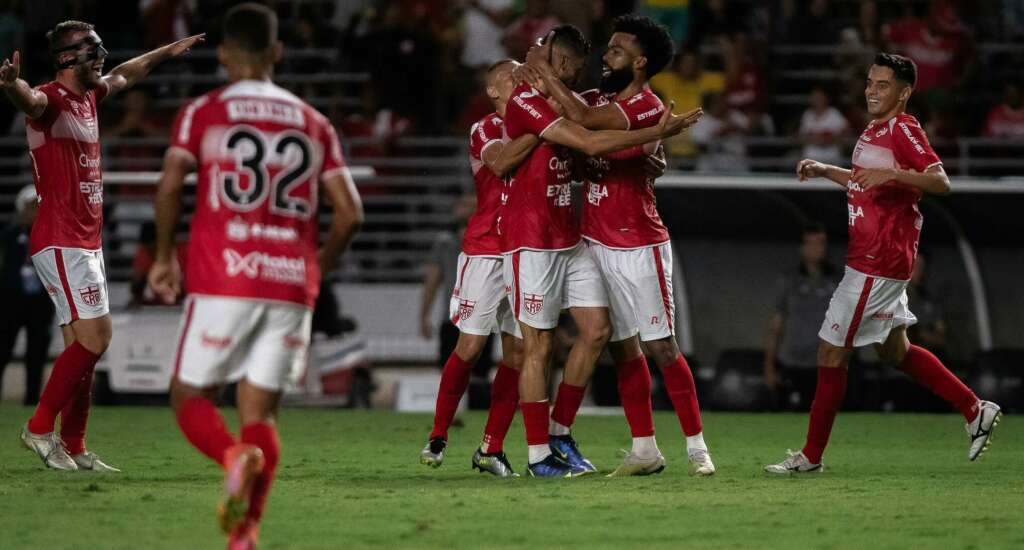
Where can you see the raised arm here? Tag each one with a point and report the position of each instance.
(807, 168)
(31, 102)
(165, 275)
(605, 117)
(502, 158)
(130, 72)
(341, 191)
(594, 143)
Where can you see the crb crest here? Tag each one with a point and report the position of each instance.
(90, 295)
(534, 303)
(466, 309)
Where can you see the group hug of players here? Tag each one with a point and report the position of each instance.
(525, 257)
(263, 157)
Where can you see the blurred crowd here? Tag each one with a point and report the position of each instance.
(791, 68)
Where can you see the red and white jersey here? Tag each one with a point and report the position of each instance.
(64, 144)
(538, 213)
(885, 223)
(260, 153)
(620, 209)
(481, 237)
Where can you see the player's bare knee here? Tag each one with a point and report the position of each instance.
(663, 351)
(470, 347)
(832, 356)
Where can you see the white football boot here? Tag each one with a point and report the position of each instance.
(89, 461)
(700, 463)
(795, 463)
(980, 430)
(636, 465)
(49, 448)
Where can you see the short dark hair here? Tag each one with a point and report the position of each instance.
(250, 26)
(654, 39)
(60, 36)
(902, 67)
(570, 37)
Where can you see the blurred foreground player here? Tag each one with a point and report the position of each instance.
(63, 138)
(631, 246)
(478, 305)
(262, 157)
(893, 166)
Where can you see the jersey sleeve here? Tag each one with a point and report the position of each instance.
(186, 132)
(911, 147)
(334, 160)
(528, 112)
(641, 111)
(483, 134)
(52, 110)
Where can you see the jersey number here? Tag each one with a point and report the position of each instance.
(250, 147)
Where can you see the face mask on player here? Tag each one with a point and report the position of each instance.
(87, 50)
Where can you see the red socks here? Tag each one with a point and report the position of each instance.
(928, 371)
(264, 436)
(454, 381)
(683, 393)
(204, 428)
(68, 371)
(535, 419)
(75, 415)
(504, 400)
(567, 404)
(828, 398)
(635, 394)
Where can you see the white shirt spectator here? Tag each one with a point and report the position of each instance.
(821, 131)
(722, 141)
(483, 37)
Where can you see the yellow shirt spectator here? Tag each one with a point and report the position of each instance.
(686, 84)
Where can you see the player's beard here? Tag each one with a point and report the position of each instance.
(616, 80)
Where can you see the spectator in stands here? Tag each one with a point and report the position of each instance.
(791, 341)
(721, 136)
(1006, 120)
(822, 129)
(686, 84)
(26, 303)
(535, 23)
(939, 44)
(164, 21)
(439, 279)
(744, 83)
(138, 120)
(715, 20)
(674, 14)
(815, 24)
(930, 328)
(482, 24)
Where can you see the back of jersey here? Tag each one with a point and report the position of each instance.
(260, 153)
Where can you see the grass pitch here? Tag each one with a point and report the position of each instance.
(352, 480)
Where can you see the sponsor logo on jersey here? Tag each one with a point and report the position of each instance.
(215, 342)
(854, 212)
(466, 309)
(255, 110)
(596, 192)
(533, 303)
(85, 162)
(913, 140)
(882, 316)
(561, 194)
(90, 295)
(648, 114)
(260, 265)
(519, 100)
(293, 342)
(882, 132)
(93, 190)
(240, 231)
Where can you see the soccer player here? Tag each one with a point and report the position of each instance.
(63, 139)
(263, 157)
(546, 266)
(893, 166)
(631, 245)
(478, 305)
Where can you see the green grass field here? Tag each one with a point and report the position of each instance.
(352, 480)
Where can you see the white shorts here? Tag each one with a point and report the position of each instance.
(225, 339)
(76, 280)
(639, 285)
(544, 282)
(864, 309)
(478, 304)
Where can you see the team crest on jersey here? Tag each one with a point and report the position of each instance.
(466, 309)
(534, 303)
(90, 295)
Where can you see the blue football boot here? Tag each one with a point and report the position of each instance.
(551, 466)
(565, 448)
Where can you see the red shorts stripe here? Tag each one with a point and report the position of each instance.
(858, 313)
(458, 286)
(515, 281)
(184, 334)
(665, 297)
(58, 258)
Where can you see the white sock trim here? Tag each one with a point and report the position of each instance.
(557, 429)
(696, 443)
(538, 453)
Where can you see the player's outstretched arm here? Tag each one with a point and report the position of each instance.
(571, 134)
(130, 72)
(502, 158)
(933, 180)
(807, 169)
(31, 102)
(341, 192)
(605, 117)
(165, 275)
